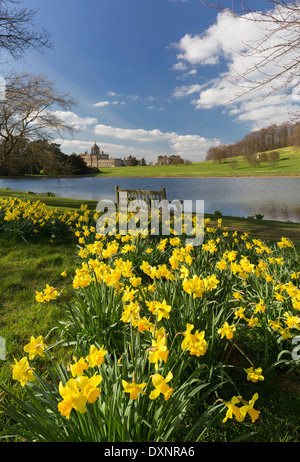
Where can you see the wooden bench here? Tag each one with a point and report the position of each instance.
(141, 197)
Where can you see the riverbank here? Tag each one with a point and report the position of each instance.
(262, 229)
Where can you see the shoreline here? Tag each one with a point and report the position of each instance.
(138, 176)
(188, 177)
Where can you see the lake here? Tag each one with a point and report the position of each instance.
(277, 198)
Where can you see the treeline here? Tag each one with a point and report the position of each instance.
(41, 157)
(266, 139)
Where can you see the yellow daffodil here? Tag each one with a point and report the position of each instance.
(134, 389)
(194, 343)
(227, 330)
(22, 371)
(158, 352)
(254, 375)
(249, 409)
(159, 309)
(96, 356)
(78, 367)
(35, 347)
(233, 410)
(161, 386)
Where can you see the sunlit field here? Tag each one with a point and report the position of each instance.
(288, 165)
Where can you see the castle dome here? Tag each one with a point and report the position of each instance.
(95, 150)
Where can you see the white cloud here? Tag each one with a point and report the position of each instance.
(131, 134)
(186, 90)
(73, 119)
(180, 66)
(105, 103)
(155, 108)
(101, 104)
(228, 37)
(192, 147)
(76, 145)
(231, 40)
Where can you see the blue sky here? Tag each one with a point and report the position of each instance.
(149, 75)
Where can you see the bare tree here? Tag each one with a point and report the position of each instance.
(17, 29)
(274, 157)
(275, 56)
(32, 110)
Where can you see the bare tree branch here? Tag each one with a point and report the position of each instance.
(275, 57)
(31, 110)
(17, 29)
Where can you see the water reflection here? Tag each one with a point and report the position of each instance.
(277, 198)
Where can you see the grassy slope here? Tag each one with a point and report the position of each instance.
(289, 165)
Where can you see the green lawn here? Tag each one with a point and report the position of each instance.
(24, 269)
(60, 203)
(288, 165)
(263, 229)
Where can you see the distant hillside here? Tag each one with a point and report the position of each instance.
(288, 164)
(267, 139)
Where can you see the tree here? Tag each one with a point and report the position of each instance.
(31, 110)
(274, 157)
(133, 162)
(41, 156)
(177, 160)
(17, 33)
(275, 56)
(233, 163)
(259, 141)
(264, 157)
(252, 159)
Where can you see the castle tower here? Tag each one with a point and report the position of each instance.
(95, 153)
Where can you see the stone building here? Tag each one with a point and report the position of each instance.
(97, 158)
(129, 161)
(168, 160)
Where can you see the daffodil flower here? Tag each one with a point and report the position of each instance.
(161, 386)
(133, 389)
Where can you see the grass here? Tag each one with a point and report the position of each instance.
(263, 229)
(60, 203)
(288, 165)
(26, 267)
